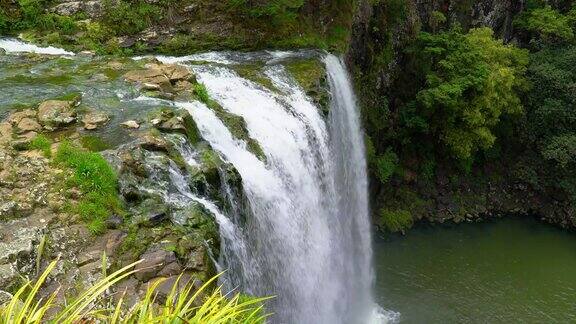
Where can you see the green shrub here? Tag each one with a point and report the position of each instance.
(202, 93)
(184, 304)
(395, 221)
(130, 17)
(386, 165)
(561, 149)
(471, 80)
(549, 24)
(96, 180)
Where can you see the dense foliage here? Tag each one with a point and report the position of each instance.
(470, 81)
(182, 27)
(466, 115)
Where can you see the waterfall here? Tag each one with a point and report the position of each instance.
(307, 240)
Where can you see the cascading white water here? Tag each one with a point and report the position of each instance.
(308, 240)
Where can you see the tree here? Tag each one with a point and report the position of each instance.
(470, 81)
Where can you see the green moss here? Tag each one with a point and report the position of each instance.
(311, 76)
(94, 143)
(395, 220)
(96, 180)
(253, 72)
(74, 97)
(237, 126)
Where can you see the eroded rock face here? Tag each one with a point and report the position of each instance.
(56, 113)
(68, 8)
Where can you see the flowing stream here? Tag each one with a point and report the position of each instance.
(306, 239)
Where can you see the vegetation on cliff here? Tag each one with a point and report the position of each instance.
(180, 27)
(461, 124)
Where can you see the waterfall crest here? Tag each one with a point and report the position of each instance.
(307, 240)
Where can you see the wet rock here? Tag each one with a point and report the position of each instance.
(28, 124)
(196, 259)
(69, 8)
(174, 72)
(151, 77)
(114, 221)
(131, 124)
(152, 263)
(171, 269)
(151, 211)
(2, 52)
(182, 281)
(94, 119)
(22, 142)
(178, 121)
(153, 142)
(56, 113)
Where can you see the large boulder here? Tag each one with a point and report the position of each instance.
(152, 263)
(152, 79)
(56, 113)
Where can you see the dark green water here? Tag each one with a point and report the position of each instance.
(509, 271)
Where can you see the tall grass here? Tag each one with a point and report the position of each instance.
(184, 305)
(96, 180)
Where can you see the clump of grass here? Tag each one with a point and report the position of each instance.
(42, 143)
(96, 180)
(179, 306)
(202, 93)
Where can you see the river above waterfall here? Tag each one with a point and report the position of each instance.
(512, 270)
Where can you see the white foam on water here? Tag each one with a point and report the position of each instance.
(11, 45)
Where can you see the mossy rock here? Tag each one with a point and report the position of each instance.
(254, 73)
(237, 126)
(168, 120)
(311, 76)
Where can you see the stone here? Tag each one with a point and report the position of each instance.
(195, 259)
(16, 117)
(151, 77)
(94, 119)
(171, 269)
(152, 263)
(165, 288)
(2, 52)
(5, 132)
(114, 241)
(152, 142)
(68, 8)
(55, 113)
(7, 275)
(114, 221)
(28, 124)
(5, 297)
(131, 124)
(23, 141)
